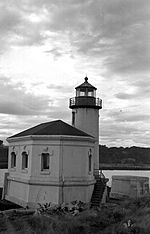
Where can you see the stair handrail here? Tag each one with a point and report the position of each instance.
(99, 173)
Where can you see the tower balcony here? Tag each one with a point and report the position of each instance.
(85, 101)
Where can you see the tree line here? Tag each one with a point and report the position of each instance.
(124, 155)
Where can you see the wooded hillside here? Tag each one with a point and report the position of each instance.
(129, 155)
(3, 156)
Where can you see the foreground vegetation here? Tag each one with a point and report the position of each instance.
(129, 216)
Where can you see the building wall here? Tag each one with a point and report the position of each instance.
(40, 193)
(87, 120)
(17, 191)
(79, 193)
(53, 148)
(78, 181)
(75, 160)
(67, 179)
(33, 180)
(18, 148)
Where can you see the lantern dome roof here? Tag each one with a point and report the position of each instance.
(86, 84)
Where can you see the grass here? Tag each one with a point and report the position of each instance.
(130, 216)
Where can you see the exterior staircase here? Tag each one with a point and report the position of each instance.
(99, 189)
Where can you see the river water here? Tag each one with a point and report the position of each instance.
(109, 173)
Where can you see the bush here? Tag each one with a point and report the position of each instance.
(118, 215)
(137, 203)
(41, 224)
(3, 224)
(108, 219)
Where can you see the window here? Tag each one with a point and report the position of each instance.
(24, 160)
(13, 159)
(73, 118)
(90, 93)
(82, 93)
(45, 161)
(90, 160)
(77, 93)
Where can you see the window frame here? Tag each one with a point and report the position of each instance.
(25, 160)
(45, 162)
(90, 161)
(13, 160)
(73, 118)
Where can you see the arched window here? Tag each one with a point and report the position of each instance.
(90, 160)
(24, 160)
(13, 159)
(45, 161)
(73, 118)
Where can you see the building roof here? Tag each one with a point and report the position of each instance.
(86, 84)
(57, 127)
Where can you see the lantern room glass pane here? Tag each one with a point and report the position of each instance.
(78, 93)
(91, 93)
(82, 93)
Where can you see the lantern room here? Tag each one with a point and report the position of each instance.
(85, 89)
(86, 97)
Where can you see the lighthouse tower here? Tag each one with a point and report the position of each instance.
(85, 113)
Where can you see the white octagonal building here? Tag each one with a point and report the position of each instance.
(51, 162)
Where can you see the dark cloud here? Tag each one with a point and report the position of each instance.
(131, 117)
(125, 127)
(141, 90)
(124, 132)
(125, 96)
(20, 109)
(127, 116)
(15, 27)
(142, 87)
(9, 20)
(116, 31)
(56, 52)
(65, 89)
(15, 100)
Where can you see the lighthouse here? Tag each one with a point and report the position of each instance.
(56, 162)
(85, 114)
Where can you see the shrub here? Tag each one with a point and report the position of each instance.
(136, 203)
(118, 214)
(41, 224)
(3, 224)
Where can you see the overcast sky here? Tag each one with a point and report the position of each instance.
(47, 47)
